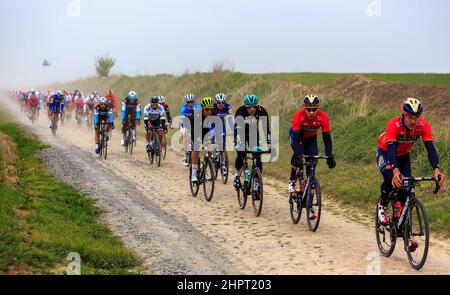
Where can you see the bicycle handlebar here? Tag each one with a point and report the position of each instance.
(406, 181)
(316, 157)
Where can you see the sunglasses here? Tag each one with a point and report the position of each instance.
(250, 107)
(220, 102)
(311, 110)
(189, 102)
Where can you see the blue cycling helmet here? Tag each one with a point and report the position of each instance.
(132, 95)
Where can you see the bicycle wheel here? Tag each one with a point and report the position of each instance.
(53, 127)
(130, 143)
(193, 186)
(242, 191)
(386, 235)
(105, 147)
(314, 205)
(208, 179)
(417, 232)
(216, 161)
(158, 153)
(164, 149)
(295, 206)
(224, 177)
(257, 192)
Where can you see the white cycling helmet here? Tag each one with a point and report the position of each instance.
(220, 97)
(189, 97)
(161, 99)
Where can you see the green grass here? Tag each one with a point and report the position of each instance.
(55, 220)
(432, 79)
(309, 79)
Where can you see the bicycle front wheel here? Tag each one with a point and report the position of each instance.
(295, 207)
(314, 205)
(224, 177)
(193, 186)
(208, 181)
(417, 234)
(257, 191)
(386, 234)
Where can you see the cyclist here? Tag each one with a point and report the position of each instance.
(207, 106)
(154, 116)
(162, 101)
(56, 106)
(33, 104)
(130, 106)
(249, 115)
(187, 113)
(89, 104)
(102, 113)
(223, 109)
(303, 136)
(394, 146)
(78, 105)
(112, 102)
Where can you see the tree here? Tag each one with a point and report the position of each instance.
(104, 64)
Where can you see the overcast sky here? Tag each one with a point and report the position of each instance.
(170, 36)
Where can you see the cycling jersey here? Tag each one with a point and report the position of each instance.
(227, 111)
(78, 101)
(102, 114)
(186, 112)
(90, 103)
(132, 107)
(242, 115)
(112, 102)
(309, 127)
(404, 138)
(56, 103)
(156, 117)
(33, 100)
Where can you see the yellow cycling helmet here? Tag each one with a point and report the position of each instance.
(207, 103)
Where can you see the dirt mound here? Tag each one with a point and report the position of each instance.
(8, 159)
(436, 99)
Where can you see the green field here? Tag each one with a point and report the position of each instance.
(43, 219)
(356, 125)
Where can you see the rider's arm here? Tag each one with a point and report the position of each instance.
(432, 154)
(122, 115)
(266, 125)
(138, 112)
(95, 117)
(169, 118)
(111, 118)
(326, 134)
(327, 143)
(392, 158)
(296, 134)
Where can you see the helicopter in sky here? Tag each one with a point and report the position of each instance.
(46, 62)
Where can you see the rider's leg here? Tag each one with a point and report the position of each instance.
(310, 149)
(404, 165)
(195, 156)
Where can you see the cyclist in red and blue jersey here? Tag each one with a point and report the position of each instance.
(306, 123)
(223, 109)
(394, 147)
(187, 115)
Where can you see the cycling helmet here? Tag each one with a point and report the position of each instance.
(75, 90)
(132, 95)
(154, 99)
(161, 99)
(91, 96)
(95, 92)
(102, 100)
(189, 97)
(311, 99)
(251, 100)
(220, 97)
(412, 107)
(207, 103)
(109, 93)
